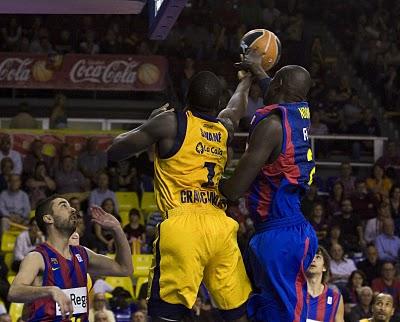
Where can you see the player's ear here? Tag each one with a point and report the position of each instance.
(48, 219)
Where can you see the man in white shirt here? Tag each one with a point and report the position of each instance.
(26, 242)
(99, 305)
(387, 244)
(5, 151)
(341, 267)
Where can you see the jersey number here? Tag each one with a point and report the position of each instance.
(210, 176)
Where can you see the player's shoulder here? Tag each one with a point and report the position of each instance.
(34, 259)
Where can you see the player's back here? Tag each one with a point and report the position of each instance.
(277, 190)
(190, 172)
(323, 308)
(68, 275)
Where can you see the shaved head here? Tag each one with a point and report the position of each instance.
(290, 84)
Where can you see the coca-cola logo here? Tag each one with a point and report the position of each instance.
(15, 69)
(97, 71)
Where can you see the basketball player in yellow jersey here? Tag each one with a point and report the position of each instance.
(196, 241)
(382, 308)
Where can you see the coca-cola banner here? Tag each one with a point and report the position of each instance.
(86, 72)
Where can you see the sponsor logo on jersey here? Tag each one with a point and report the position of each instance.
(78, 298)
(202, 148)
(329, 300)
(78, 256)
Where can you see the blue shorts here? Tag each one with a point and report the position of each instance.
(278, 257)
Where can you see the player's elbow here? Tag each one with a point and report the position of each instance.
(12, 294)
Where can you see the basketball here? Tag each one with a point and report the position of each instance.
(264, 42)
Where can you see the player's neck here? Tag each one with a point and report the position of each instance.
(314, 285)
(60, 243)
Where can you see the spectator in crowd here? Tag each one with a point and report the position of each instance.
(24, 119)
(153, 220)
(319, 222)
(98, 195)
(124, 177)
(101, 286)
(390, 157)
(334, 237)
(350, 227)
(5, 317)
(100, 305)
(347, 179)
(36, 155)
(388, 283)
(139, 316)
(58, 116)
(378, 182)
(317, 127)
(310, 198)
(68, 179)
(334, 202)
(6, 168)
(394, 201)
(104, 239)
(363, 201)
(134, 230)
(371, 265)
(92, 160)
(11, 35)
(374, 226)
(88, 45)
(387, 244)
(350, 293)
(363, 309)
(145, 166)
(340, 267)
(26, 242)
(7, 152)
(368, 125)
(64, 150)
(14, 204)
(40, 185)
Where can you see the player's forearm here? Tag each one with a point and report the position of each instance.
(123, 252)
(27, 293)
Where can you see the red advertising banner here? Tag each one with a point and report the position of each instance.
(83, 72)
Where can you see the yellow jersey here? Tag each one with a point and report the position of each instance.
(190, 173)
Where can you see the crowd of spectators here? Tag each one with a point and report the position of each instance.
(369, 32)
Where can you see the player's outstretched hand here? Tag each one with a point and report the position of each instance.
(63, 301)
(104, 219)
(160, 110)
(251, 61)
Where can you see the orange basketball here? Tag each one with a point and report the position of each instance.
(266, 43)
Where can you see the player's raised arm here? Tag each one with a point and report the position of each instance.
(22, 290)
(237, 105)
(264, 143)
(102, 265)
(161, 124)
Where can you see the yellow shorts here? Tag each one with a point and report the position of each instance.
(198, 243)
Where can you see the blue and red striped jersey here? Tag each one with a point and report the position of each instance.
(278, 187)
(70, 276)
(323, 308)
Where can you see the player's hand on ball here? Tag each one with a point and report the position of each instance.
(104, 219)
(251, 61)
(63, 301)
(160, 110)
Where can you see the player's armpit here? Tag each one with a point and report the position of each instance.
(21, 289)
(127, 144)
(265, 139)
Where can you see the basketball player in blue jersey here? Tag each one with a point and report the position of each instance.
(274, 172)
(325, 304)
(52, 279)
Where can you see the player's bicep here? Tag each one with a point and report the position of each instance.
(30, 268)
(127, 144)
(263, 142)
